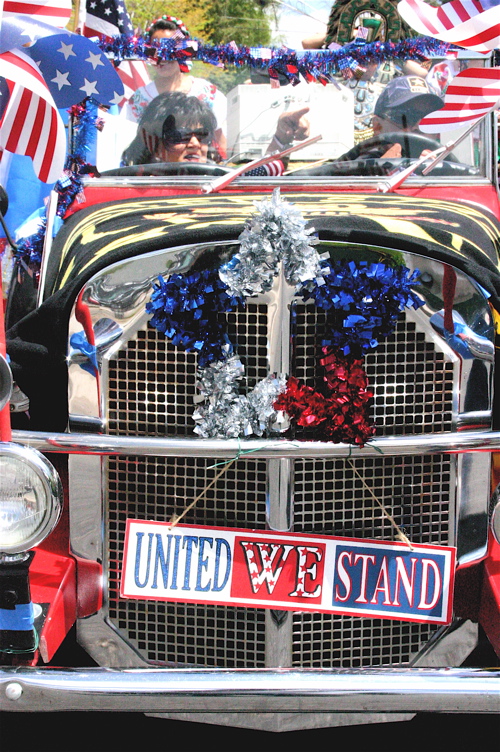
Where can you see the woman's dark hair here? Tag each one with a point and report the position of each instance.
(176, 110)
(167, 23)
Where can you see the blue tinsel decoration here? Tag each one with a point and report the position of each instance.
(363, 302)
(313, 66)
(185, 308)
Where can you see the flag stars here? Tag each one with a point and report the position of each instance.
(66, 50)
(94, 60)
(89, 87)
(117, 98)
(61, 79)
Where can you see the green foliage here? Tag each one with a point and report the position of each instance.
(241, 21)
(213, 21)
(224, 78)
(195, 14)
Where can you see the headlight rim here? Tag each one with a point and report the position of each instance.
(52, 485)
(6, 382)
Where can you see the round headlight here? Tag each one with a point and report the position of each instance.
(5, 382)
(30, 498)
(495, 519)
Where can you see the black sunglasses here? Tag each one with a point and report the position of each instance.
(184, 136)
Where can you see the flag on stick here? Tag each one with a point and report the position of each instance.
(470, 96)
(472, 24)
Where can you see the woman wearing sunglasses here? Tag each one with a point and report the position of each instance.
(173, 128)
(179, 128)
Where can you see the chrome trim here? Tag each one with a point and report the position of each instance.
(391, 446)
(354, 183)
(462, 690)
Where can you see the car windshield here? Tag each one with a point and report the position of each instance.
(368, 126)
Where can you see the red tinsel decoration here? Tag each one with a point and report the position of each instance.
(342, 415)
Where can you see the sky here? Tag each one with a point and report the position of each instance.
(295, 20)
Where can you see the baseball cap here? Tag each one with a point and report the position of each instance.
(406, 100)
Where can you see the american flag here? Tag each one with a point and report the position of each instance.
(109, 18)
(470, 95)
(472, 24)
(52, 12)
(271, 169)
(31, 124)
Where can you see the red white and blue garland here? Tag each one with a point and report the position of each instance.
(317, 65)
(362, 301)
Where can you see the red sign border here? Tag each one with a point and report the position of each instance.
(297, 536)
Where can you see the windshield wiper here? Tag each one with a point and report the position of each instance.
(219, 183)
(451, 145)
(394, 181)
(436, 156)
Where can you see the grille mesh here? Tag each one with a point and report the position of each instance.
(151, 387)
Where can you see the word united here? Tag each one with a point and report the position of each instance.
(288, 571)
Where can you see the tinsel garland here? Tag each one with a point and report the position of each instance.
(362, 300)
(277, 232)
(227, 413)
(315, 65)
(341, 413)
(185, 308)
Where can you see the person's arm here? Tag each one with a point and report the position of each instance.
(315, 42)
(291, 126)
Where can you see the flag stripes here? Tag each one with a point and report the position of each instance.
(470, 95)
(53, 12)
(472, 24)
(31, 124)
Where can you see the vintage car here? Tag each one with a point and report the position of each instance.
(255, 456)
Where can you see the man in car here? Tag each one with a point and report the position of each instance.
(399, 109)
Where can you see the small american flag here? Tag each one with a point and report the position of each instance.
(472, 24)
(109, 18)
(52, 12)
(271, 169)
(470, 96)
(104, 18)
(31, 124)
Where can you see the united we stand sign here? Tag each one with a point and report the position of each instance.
(235, 567)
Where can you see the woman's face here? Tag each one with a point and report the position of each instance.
(165, 68)
(186, 144)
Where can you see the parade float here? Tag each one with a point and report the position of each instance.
(252, 473)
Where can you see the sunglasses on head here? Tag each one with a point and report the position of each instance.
(182, 136)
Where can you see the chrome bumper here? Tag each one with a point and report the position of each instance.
(408, 690)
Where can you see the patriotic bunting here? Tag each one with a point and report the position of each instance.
(470, 95)
(472, 24)
(31, 124)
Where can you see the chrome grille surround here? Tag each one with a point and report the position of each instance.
(414, 368)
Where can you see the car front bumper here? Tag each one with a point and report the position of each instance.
(406, 690)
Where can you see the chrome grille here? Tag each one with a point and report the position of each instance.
(324, 641)
(150, 392)
(334, 497)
